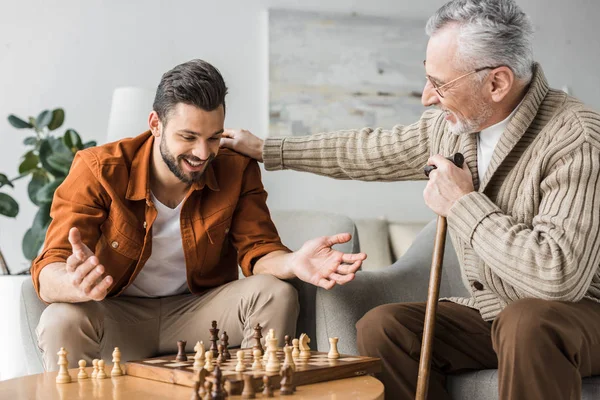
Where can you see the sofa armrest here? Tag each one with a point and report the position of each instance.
(407, 280)
(31, 308)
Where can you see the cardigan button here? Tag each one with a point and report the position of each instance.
(114, 244)
(145, 224)
(477, 285)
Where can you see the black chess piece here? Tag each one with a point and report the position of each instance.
(214, 338)
(225, 343)
(181, 356)
(268, 389)
(288, 340)
(257, 336)
(218, 393)
(286, 384)
(248, 392)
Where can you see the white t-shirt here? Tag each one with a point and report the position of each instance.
(487, 140)
(164, 273)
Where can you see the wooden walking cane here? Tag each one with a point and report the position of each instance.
(433, 294)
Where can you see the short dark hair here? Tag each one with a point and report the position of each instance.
(195, 82)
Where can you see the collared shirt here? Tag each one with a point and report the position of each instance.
(224, 217)
(487, 140)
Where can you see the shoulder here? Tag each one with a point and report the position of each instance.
(230, 159)
(115, 154)
(574, 118)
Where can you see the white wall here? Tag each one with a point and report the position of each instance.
(73, 53)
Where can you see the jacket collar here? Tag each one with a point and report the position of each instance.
(138, 187)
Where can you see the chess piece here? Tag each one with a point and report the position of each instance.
(196, 388)
(296, 351)
(82, 374)
(240, 367)
(221, 356)
(273, 364)
(63, 372)
(286, 385)
(181, 356)
(202, 379)
(257, 336)
(268, 389)
(218, 393)
(288, 340)
(257, 364)
(101, 373)
(304, 349)
(95, 368)
(207, 388)
(199, 357)
(270, 334)
(214, 337)
(225, 343)
(333, 351)
(209, 361)
(248, 392)
(289, 360)
(117, 370)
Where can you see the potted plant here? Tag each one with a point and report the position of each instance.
(47, 161)
(9, 208)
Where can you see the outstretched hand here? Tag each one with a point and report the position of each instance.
(243, 141)
(85, 271)
(317, 263)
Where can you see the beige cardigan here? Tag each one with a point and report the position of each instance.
(531, 228)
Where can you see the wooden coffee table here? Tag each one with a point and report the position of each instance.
(43, 386)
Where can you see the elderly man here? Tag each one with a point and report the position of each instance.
(522, 213)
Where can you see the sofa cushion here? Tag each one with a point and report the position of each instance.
(375, 241)
(402, 236)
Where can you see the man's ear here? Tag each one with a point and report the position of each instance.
(501, 80)
(154, 124)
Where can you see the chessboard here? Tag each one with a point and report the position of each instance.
(318, 368)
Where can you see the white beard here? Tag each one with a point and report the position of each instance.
(466, 126)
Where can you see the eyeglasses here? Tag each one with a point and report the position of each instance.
(438, 88)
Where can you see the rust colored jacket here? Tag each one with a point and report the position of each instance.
(224, 218)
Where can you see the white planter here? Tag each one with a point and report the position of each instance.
(12, 355)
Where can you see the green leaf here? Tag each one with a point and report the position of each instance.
(89, 144)
(59, 146)
(72, 140)
(18, 122)
(58, 117)
(29, 163)
(46, 193)
(30, 141)
(32, 242)
(43, 119)
(42, 217)
(61, 163)
(45, 152)
(5, 181)
(38, 180)
(8, 206)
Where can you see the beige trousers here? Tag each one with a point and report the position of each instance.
(149, 327)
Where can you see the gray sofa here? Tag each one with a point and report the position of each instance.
(407, 280)
(295, 227)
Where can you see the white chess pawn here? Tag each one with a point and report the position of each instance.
(257, 365)
(101, 372)
(199, 357)
(240, 367)
(333, 351)
(63, 373)
(95, 370)
(82, 374)
(289, 360)
(209, 361)
(296, 351)
(117, 370)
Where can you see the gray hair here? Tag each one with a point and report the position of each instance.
(491, 33)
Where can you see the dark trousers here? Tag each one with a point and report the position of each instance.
(541, 348)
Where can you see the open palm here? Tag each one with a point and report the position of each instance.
(317, 263)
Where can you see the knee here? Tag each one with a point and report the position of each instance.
(58, 319)
(525, 323)
(276, 291)
(374, 327)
